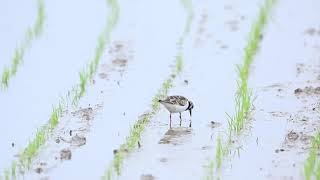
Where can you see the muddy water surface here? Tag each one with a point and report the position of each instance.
(209, 81)
(125, 93)
(285, 80)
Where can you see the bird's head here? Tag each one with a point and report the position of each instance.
(190, 107)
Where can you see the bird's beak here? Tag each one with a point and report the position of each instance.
(190, 112)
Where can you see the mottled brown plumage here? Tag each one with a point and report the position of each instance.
(182, 101)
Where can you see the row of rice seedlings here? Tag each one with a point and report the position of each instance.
(221, 152)
(243, 97)
(312, 164)
(45, 131)
(134, 136)
(187, 4)
(33, 147)
(88, 73)
(209, 170)
(32, 33)
(135, 132)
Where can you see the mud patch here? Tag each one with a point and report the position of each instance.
(121, 53)
(69, 135)
(40, 167)
(120, 62)
(214, 124)
(312, 31)
(300, 68)
(202, 34)
(78, 140)
(163, 160)
(295, 139)
(308, 90)
(65, 154)
(147, 177)
(176, 136)
(85, 114)
(75, 135)
(233, 25)
(103, 75)
(279, 114)
(292, 136)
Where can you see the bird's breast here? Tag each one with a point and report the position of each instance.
(173, 108)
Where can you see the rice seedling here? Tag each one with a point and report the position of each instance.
(5, 77)
(115, 15)
(243, 96)
(179, 64)
(216, 164)
(219, 153)
(312, 164)
(17, 59)
(33, 147)
(317, 171)
(31, 34)
(37, 29)
(187, 4)
(6, 174)
(54, 119)
(13, 169)
(209, 168)
(83, 82)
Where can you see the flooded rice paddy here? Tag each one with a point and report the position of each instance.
(80, 84)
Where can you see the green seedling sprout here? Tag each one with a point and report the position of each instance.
(312, 164)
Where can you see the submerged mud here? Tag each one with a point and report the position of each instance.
(175, 136)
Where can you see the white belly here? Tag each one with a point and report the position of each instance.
(175, 108)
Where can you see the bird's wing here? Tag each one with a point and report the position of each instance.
(182, 101)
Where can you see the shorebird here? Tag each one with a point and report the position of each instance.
(177, 104)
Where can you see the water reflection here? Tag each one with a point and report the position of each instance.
(176, 136)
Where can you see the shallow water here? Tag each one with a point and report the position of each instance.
(274, 78)
(147, 34)
(49, 70)
(182, 153)
(123, 102)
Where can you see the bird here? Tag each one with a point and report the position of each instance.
(177, 104)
